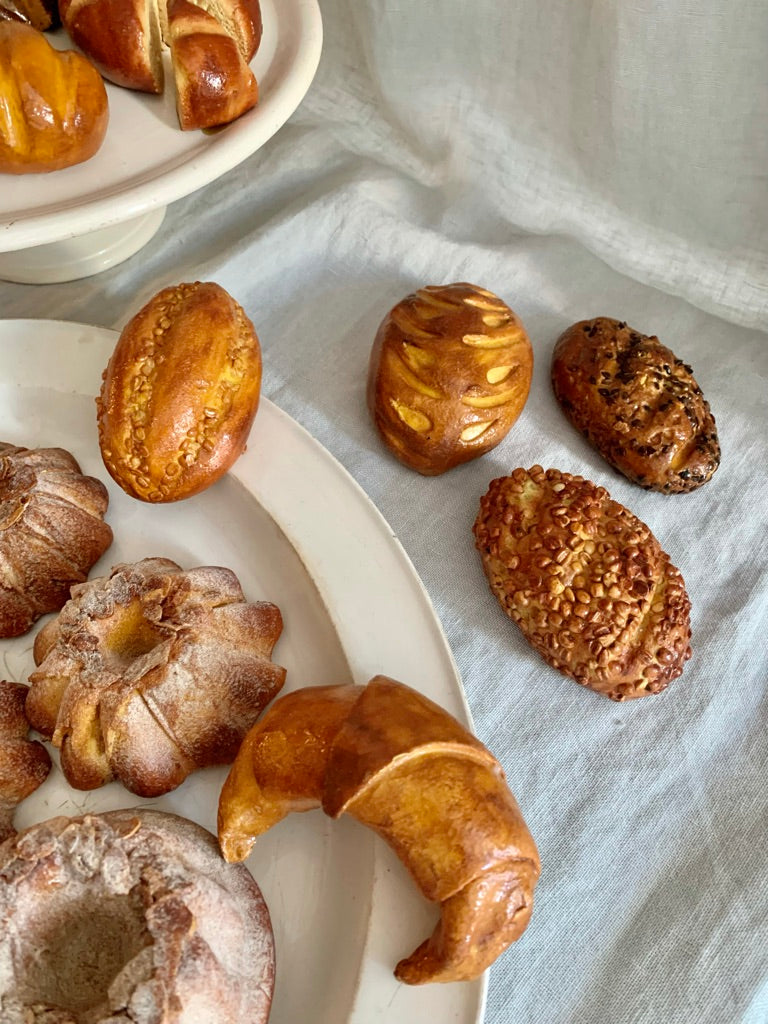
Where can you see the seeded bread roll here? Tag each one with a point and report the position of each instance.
(637, 403)
(586, 581)
(180, 393)
(449, 374)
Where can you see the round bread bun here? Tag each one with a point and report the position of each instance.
(54, 104)
(130, 916)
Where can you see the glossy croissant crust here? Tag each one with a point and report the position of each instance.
(406, 768)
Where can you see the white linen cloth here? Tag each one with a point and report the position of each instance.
(579, 158)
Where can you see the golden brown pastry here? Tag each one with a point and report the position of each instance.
(53, 104)
(211, 43)
(403, 766)
(449, 374)
(130, 917)
(40, 14)
(151, 672)
(586, 581)
(180, 393)
(121, 37)
(24, 763)
(52, 532)
(637, 403)
(214, 84)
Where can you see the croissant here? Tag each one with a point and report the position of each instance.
(403, 766)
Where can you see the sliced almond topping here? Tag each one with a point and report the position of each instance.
(475, 430)
(488, 401)
(412, 417)
(497, 374)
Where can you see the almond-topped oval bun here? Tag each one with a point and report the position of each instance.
(401, 765)
(586, 581)
(450, 371)
(130, 917)
(54, 109)
(637, 403)
(180, 393)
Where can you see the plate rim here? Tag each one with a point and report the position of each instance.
(260, 466)
(227, 149)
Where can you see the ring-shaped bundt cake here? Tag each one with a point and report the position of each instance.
(152, 672)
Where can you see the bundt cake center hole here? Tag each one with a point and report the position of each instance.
(130, 635)
(81, 947)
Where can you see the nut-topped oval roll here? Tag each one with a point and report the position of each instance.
(180, 393)
(586, 581)
(449, 374)
(637, 403)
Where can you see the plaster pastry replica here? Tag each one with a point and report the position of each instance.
(449, 374)
(586, 581)
(406, 768)
(24, 763)
(52, 532)
(53, 105)
(211, 45)
(637, 403)
(130, 917)
(180, 393)
(151, 673)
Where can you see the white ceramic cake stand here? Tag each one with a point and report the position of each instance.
(77, 222)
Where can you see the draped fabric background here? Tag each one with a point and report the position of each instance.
(579, 158)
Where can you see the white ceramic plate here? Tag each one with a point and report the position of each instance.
(146, 161)
(298, 531)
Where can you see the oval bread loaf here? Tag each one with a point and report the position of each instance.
(180, 393)
(449, 374)
(586, 581)
(637, 403)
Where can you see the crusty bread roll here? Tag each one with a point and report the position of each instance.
(24, 763)
(53, 104)
(449, 373)
(130, 917)
(180, 393)
(637, 403)
(586, 581)
(52, 532)
(403, 766)
(214, 84)
(178, 669)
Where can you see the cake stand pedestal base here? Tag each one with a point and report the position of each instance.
(81, 256)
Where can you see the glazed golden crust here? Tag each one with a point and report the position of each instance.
(180, 393)
(152, 673)
(40, 14)
(404, 767)
(449, 374)
(24, 763)
(214, 84)
(637, 403)
(586, 581)
(53, 105)
(130, 917)
(121, 37)
(52, 532)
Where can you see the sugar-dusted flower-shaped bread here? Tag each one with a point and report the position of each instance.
(151, 673)
(24, 763)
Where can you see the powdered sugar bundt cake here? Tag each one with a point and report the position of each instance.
(151, 673)
(24, 763)
(52, 531)
(130, 917)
